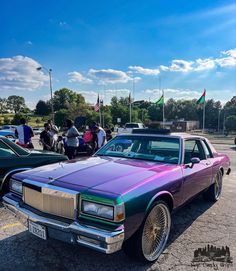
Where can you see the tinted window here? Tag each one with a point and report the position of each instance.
(193, 148)
(5, 151)
(161, 149)
(19, 150)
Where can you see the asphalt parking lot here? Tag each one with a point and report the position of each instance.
(194, 226)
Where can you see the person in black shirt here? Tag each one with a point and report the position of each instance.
(46, 138)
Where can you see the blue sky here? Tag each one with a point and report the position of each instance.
(103, 46)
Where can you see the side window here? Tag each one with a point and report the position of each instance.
(5, 151)
(206, 149)
(193, 148)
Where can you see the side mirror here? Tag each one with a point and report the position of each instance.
(194, 160)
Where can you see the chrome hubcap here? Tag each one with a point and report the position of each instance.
(155, 232)
(218, 185)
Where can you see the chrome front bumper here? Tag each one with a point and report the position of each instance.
(98, 239)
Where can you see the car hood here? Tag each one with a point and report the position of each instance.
(114, 175)
(46, 153)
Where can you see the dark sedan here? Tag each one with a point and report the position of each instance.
(14, 159)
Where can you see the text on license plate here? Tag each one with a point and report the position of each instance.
(37, 230)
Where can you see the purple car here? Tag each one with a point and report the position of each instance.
(120, 197)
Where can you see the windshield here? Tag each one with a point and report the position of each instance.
(161, 149)
(15, 147)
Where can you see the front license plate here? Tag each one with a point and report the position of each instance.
(37, 230)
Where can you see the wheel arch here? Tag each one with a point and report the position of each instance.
(162, 195)
(222, 170)
(10, 173)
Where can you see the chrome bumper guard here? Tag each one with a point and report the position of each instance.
(95, 238)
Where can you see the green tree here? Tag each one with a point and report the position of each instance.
(66, 98)
(15, 103)
(230, 123)
(42, 108)
(61, 116)
(3, 105)
(17, 117)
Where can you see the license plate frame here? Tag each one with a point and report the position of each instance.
(37, 230)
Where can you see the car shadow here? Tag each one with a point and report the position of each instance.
(27, 252)
(183, 218)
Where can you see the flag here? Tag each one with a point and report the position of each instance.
(202, 99)
(97, 105)
(160, 101)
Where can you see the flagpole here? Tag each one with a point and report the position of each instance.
(130, 109)
(203, 118)
(100, 113)
(163, 110)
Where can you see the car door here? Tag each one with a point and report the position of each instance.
(197, 177)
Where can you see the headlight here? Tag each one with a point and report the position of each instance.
(114, 213)
(16, 186)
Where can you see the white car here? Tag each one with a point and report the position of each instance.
(37, 131)
(130, 126)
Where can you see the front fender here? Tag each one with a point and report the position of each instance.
(16, 170)
(161, 195)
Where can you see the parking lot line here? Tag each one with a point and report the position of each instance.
(11, 225)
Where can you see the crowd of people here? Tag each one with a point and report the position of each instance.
(70, 142)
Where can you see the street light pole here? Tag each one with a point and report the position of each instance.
(49, 71)
(50, 86)
(219, 121)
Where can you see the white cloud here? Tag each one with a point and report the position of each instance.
(164, 68)
(229, 60)
(179, 65)
(20, 73)
(172, 93)
(144, 71)
(204, 64)
(29, 43)
(78, 77)
(231, 52)
(117, 92)
(109, 76)
(226, 61)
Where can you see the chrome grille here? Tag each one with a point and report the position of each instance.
(51, 201)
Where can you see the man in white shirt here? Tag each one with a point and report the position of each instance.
(101, 134)
(72, 141)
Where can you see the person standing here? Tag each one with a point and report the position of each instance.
(54, 132)
(24, 134)
(72, 141)
(46, 138)
(101, 136)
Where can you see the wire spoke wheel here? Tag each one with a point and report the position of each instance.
(218, 185)
(156, 232)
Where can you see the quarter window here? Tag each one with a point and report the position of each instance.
(206, 149)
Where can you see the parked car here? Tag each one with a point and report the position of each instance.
(119, 198)
(130, 126)
(37, 131)
(9, 127)
(9, 134)
(14, 158)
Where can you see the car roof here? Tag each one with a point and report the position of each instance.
(174, 135)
